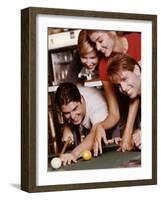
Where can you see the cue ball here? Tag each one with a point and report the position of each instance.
(86, 154)
(56, 163)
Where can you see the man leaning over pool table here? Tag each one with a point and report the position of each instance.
(125, 73)
(80, 106)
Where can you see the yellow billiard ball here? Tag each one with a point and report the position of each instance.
(86, 155)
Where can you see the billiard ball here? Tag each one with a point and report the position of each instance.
(86, 155)
(56, 163)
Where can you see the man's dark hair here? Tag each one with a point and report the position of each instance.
(66, 93)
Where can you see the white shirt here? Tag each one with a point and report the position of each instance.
(96, 106)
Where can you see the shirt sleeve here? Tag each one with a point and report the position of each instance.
(100, 116)
(100, 111)
(103, 65)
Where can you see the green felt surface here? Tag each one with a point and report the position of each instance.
(109, 159)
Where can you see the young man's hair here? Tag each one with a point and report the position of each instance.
(66, 93)
(120, 62)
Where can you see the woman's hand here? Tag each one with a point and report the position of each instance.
(115, 140)
(100, 135)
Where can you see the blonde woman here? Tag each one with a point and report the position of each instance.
(109, 44)
(86, 57)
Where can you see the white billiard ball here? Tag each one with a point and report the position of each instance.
(56, 163)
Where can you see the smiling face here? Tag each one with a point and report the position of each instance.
(104, 41)
(74, 112)
(90, 60)
(128, 82)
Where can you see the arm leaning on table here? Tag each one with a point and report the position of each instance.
(75, 154)
(110, 121)
(127, 143)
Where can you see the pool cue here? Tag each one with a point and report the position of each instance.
(65, 146)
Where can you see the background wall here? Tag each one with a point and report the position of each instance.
(10, 97)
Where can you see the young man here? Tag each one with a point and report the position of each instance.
(80, 106)
(125, 73)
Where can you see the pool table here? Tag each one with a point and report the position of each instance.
(109, 159)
